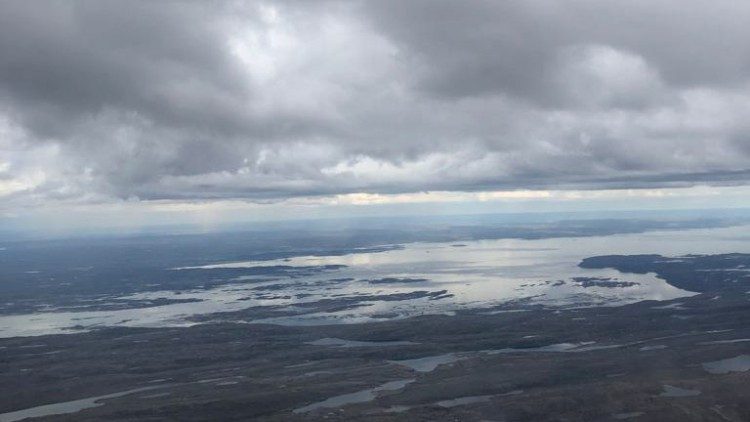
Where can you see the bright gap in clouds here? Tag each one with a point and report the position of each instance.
(211, 215)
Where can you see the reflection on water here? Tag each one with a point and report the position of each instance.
(338, 342)
(357, 397)
(739, 363)
(421, 278)
(429, 363)
(672, 391)
(462, 401)
(65, 407)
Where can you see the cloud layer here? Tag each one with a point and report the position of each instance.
(113, 100)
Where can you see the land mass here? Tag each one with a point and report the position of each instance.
(682, 360)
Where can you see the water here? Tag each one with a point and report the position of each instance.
(445, 277)
(739, 363)
(462, 401)
(65, 407)
(650, 348)
(356, 397)
(338, 342)
(672, 391)
(627, 415)
(429, 363)
(736, 340)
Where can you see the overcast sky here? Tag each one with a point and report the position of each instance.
(127, 102)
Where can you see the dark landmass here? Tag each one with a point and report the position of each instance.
(68, 295)
(681, 360)
(328, 305)
(697, 273)
(602, 282)
(57, 273)
(87, 304)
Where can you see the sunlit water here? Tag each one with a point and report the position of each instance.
(477, 274)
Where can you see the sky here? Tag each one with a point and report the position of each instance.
(141, 112)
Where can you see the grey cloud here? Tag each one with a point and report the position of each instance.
(82, 57)
(106, 100)
(512, 46)
(168, 62)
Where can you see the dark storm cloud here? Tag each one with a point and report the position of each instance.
(157, 100)
(166, 61)
(82, 57)
(513, 46)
